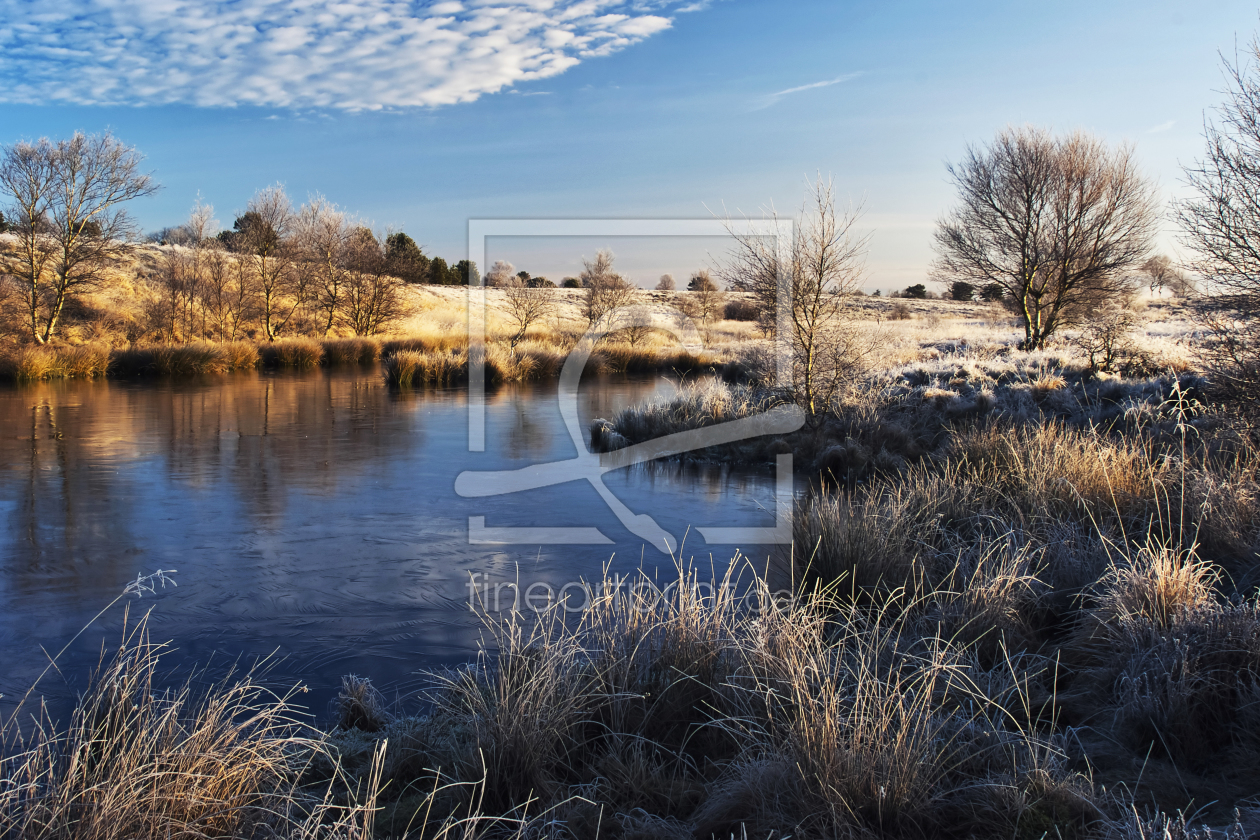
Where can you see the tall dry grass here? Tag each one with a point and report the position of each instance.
(185, 360)
(294, 353)
(693, 711)
(351, 351)
(141, 760)
(410, 368)
(36, 364)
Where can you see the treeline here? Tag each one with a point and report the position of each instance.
(314, 269)
(309, 270)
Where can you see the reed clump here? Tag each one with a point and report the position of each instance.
(351, 351)
(438, 368)
(292, 353)
(184, 360)
(37, 364)
(412, 368)
(616, 357)
(241, 355)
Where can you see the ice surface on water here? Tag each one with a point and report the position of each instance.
(309, 514)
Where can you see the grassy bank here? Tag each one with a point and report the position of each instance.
(538, 360)
(1096, 535)
(407, 362)
(694, 712)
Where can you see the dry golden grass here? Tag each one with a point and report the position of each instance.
(294, 353)
(241, 355)
(683, 713)
(184, 360)
(137, 761)
(36, 364)
(351, 351)
(1154, 585)
(409, 368)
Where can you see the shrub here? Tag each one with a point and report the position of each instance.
(1106, 336)
(741, 310)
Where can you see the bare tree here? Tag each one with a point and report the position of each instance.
(225, 291)
(1163, 273)
(177, 288)
(66, 213)
(666, 283)
(372, 298)
(606, 290)
(1058, 223)
(1222, 226)
(527, 305)
(821, 268)
(322, 236)
(182, 272)
(638, 325)
(262, 239)
(1105, 337)
(705, 301)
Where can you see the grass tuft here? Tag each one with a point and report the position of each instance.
(37, 364)
(351, 351)
(294, 353)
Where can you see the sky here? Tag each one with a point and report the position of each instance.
(419, 116)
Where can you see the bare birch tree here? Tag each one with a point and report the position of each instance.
(527, 305)
(605, 289)
(263, 241)
(182, 274)
(1222, 226)
(372, 295)
(225, 291)
(65, 211)
(323, 239)
(1059, 223)
(821, 268)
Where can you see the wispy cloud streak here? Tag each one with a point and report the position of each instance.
(336, 54)
(773, 98)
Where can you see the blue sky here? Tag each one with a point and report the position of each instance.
(419, 116)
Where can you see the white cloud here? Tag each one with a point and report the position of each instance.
(342, 54)
(767, 101)
(1162, 127)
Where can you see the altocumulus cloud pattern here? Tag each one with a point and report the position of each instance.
(339, 54)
